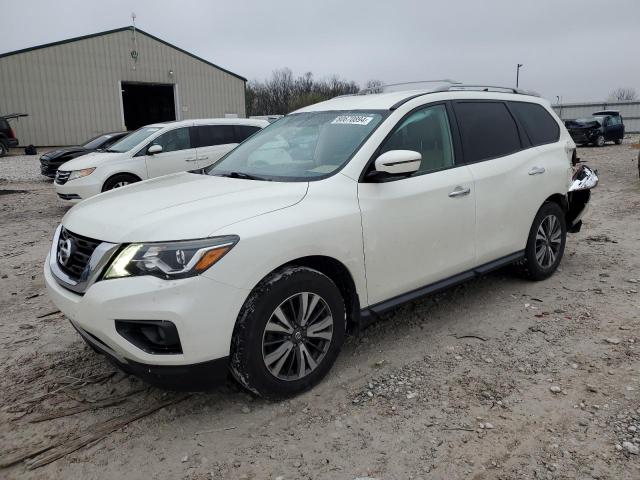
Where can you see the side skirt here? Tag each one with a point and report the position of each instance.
(371, 313)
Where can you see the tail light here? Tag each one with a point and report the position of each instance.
(12, 133)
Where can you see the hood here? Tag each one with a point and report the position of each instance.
(179, 206)
(93, 159)
(63, 151)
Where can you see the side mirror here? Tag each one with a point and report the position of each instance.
(398, 161)
(153, 149)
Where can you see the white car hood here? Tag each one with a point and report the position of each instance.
(179, 206)
(93, 159)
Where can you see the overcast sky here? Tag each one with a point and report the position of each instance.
(579, 49)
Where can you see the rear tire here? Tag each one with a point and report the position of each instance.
(119, 180)
(289, 333)
(3, 149)
(618, 141)
(546, 242)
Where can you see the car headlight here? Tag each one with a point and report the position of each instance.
(170, 260)
(80, 173)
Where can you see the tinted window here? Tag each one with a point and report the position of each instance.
(539, 125)
(244, 131)
(174, 140)
(425, 131)
(95, 142)
(4, 125)
(209, 135)
(487, 130)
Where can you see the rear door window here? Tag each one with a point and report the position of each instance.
(487, 129)
(537, 122)
(210, 135)
(244, 131)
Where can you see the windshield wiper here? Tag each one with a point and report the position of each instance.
(244, 176)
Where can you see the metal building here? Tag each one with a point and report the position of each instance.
(109, 81)
(630, 112)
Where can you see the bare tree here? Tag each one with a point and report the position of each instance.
(281, 93)
(374, 86)
(623, 94)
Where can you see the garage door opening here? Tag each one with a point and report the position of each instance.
(145, 103)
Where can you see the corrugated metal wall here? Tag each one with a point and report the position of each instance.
(72, 91)
(630, 112)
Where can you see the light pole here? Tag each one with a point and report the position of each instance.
(518, 74)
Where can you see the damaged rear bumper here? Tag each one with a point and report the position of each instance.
(584, 179)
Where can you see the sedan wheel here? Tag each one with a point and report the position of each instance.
(123, 183)
(297, 336)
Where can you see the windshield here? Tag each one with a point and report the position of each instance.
(301, 146)
(133, 139)
(600, 120)
(95, 142)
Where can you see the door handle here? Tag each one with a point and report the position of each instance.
(203, 158)
(190, 159)
(536, 171)
(459, 192)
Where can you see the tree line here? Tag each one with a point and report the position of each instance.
(283, 93)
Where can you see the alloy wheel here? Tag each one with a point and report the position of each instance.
(297, 336)
(548, 241)
(122, 183)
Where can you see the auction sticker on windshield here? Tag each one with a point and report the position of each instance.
(352, 120)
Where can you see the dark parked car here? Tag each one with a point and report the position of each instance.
(50, 161)
(8, 137)
(604, 126)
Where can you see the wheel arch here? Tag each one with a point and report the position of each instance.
(338, 273)
(128, 174)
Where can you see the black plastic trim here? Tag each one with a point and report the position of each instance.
(367, 315)
(195, 377)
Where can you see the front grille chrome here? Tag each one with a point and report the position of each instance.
(77, 261)
(62, 177)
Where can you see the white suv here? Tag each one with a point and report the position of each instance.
(152, 151)
(321, 221)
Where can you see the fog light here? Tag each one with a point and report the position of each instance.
(151, 336)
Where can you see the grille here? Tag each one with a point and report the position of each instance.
(62, 177)
(81, 250)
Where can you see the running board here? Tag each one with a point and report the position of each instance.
(370, 314)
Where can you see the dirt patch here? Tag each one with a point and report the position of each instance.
(497, 378)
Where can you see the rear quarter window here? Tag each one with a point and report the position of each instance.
(537, 122)
(487, 129)
(4, 125)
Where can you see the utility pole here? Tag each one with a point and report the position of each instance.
(518, 74)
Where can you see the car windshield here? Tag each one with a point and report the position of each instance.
(95, 142)
(600, 120)
(133, 139)
(300, 146)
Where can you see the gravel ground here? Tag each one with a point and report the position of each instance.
(498, 378)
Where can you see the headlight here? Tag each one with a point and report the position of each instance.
(80, 173)
(170, 260)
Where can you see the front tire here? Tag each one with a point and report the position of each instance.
(546, 242)
(289, 333)
(599, 141)
(120, 180)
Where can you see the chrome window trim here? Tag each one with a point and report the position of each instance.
(99, 259)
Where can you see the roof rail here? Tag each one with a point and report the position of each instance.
(460, 87)
(487, 88)
(379, 88)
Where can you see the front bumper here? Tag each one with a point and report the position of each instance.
(203, 310)
(48, 168)
(74, 191)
